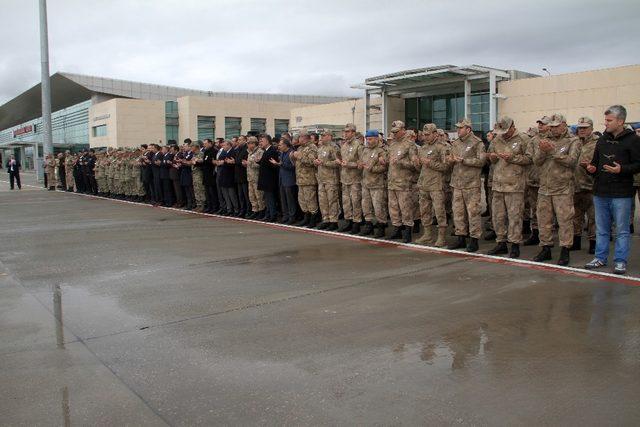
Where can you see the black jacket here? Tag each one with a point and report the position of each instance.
(208, 169)
(16, 167)
(624, 150)
(241, 153)
(166, 165)
(227, 171)
(268, 174)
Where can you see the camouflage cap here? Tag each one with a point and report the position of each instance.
(349, 127)
(327, 132)
(397, 125)
(303, 132)
(503, 125)
(463, 123)
(585, 122)
(545, 120)
(429, 128)
(557, 120)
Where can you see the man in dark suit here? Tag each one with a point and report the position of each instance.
(241, 153)
(146, 173)
(156, 170)
(13, 168)
(165, 177)
(268, 177)
(227, 178)
(212, 203)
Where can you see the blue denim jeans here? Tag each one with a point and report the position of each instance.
(609, 210)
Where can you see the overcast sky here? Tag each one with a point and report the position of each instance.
(308, 47)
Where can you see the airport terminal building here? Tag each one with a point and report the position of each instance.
(97, 112)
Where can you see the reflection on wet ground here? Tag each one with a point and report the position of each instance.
(239, 324)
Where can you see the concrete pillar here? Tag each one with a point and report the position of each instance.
(385, 111)
(367, 102)
(467, 98)
(492, 100)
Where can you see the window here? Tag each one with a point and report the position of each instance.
(171, 120)
(259, 125)
(411, 112)
(206, 127)
(171, 132)
(232, 127)
(280, 126)
(99, 130)
(446, 110)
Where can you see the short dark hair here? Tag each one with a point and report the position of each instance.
(187, 141)
(265, 135)
(145, 146)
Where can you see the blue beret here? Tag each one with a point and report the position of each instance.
(372, 133)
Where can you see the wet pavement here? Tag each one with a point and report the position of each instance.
(117, 314)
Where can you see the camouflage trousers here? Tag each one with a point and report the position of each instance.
(198, 188)
(562, 206)
(352, 201)
(583, 205)
(69, 178)
(308, 198)
(507, 210)
(530, 206)
(102, 184)
(126, 186)
(415, 194)
(256, 197)
(329, 206)
(401, 208)
(432, 202)
(139, 187)
(374, 204)
(466, 212)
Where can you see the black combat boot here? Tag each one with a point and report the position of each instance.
(500, 248)
(323, 226)
(305, 220)
(473, 245)
(406, 234)
(333, 226)
(313, 220)
(490, 235)
(564, 256)
(379, 233)
(592, 247)
(396, 233)
(416, 226)
(526, 227)
(356, 228)
(543, 255)
(533, 239)
(515, 251)
(346, 226)
(367, 229)
(577, 243)
(460, 243)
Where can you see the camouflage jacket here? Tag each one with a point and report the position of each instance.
(557, 167)
(401, 168)
(510, 176)
(350, 152)
(253, 164)
(374, 174)
(466, 174)
(305, 168)
(432, 176)
(328, 170)
(584, 181)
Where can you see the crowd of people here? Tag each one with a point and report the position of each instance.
(536, 183)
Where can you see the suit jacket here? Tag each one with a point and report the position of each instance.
(156, 170)
(227, 171)
(15, 169)
(167, 161)
(287, 170)
(241, 153)
(208, 169)
(186, 176)
(268, 174)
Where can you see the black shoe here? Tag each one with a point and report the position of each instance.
(355, 229)
(515, 251)
(406, 234)
(291, 221)
(396, 233)
(490, 235)
(416, 226)
(460, 243)
(367, 229)
(543, 255)
(564, 256)
(379, 233)
(577, 243)
(313, 220)
(500, 248)
(533, 239)
(252, 215)
(323, 226)
(333, 226)
(305, 220)
(346, 226)
(592, 247)
(473, 245)
(526, 227)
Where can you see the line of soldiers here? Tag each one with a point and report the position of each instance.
(71, 172)
(537, 182)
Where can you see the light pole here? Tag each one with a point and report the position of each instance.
(45, 86)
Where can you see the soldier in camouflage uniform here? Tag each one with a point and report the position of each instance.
(468, 158)
(374, 162)
(583, 196)
(306, 180)
(432, 164)
(351, 179)
(198, 185)
(256, 197)
(557, 157)
(510, 152)
(51, 168)
(533, 184)
(99, 173)
(400, 181)
(69, 163)
(328, 164)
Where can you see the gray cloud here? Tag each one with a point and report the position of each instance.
(308, 46)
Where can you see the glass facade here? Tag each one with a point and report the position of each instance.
(69, 126)
(171, 120)
(280, 126)
(99, 130)
(232, 127)
(206, 127)
(446, 110)
(259, 125)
